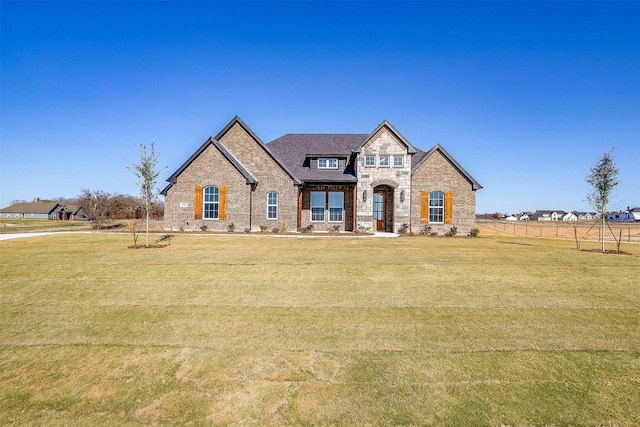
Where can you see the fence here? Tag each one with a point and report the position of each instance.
(584, 230)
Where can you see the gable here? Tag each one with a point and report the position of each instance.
(391, 133)
(211, 143)
(249, 148)
(422, 158)
(245, 152)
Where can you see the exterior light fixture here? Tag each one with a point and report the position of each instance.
(364, 196)
(402, 196)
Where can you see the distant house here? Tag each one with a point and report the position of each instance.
(509, 218)
(570, 217)
(43, 210)
(630, 215)
(525, 216)
(585, 216)
(546, 215)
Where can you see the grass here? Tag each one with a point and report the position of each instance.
(259, 330)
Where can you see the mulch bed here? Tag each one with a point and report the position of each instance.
(607, 251)
(156, 246)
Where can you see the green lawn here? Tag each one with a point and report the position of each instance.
(262, 330)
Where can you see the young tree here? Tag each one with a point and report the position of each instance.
(603, 177)
(147, 176)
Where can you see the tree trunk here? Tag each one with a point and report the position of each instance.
(148, 228)
(603, 219)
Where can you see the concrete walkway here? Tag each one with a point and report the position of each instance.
(43, 233)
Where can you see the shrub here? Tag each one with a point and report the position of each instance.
(275, 229)
(474, 232)
(403, 229)
(426, 230)
(203, 227)
(363, 229)
(247, 230)
(231, 227)
(307, 229)
(452, 232)
(335, 228)
(284, 228)
(263, 228)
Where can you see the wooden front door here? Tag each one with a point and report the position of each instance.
(378, 210)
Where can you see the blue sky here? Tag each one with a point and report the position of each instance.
(527, 96)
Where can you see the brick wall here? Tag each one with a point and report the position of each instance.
(438, 174)
(209, 168)
(270, 177)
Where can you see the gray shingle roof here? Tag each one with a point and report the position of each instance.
(293, 149)
(42, 207)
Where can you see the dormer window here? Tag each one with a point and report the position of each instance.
(327, 163)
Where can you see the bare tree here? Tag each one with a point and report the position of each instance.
(147, 176)
(603, 178)
(96, 204)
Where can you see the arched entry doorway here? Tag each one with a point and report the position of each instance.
(383, 208)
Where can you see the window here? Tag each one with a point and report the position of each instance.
(369, 161)
(317, 205)
(211, 202)
(272, 205)
(436, 206)
(327, 163)
(398, 161)
(336, 206)
(384, 161)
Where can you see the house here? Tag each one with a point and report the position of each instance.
(547, 215)
(630, 215)
(43, 209)
(525, 216)
(585, 216)
(570, 217)
(376, 181)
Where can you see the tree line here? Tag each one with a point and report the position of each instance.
(101, 206)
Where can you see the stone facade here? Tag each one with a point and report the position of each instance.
(392, 180)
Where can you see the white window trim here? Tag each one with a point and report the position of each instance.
(204, 203)
(329, 207)
(436, 207)
(388, 161)
(328, 161)
(324, 207)
(269, 205)
(373, 165)
(401, 159)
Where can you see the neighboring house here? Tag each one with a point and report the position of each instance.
(43, 210)
(378, 181)
(585, 216)
(509, 218)
(630, 215)
(546, 215)
(570, 217)
(525, 216)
